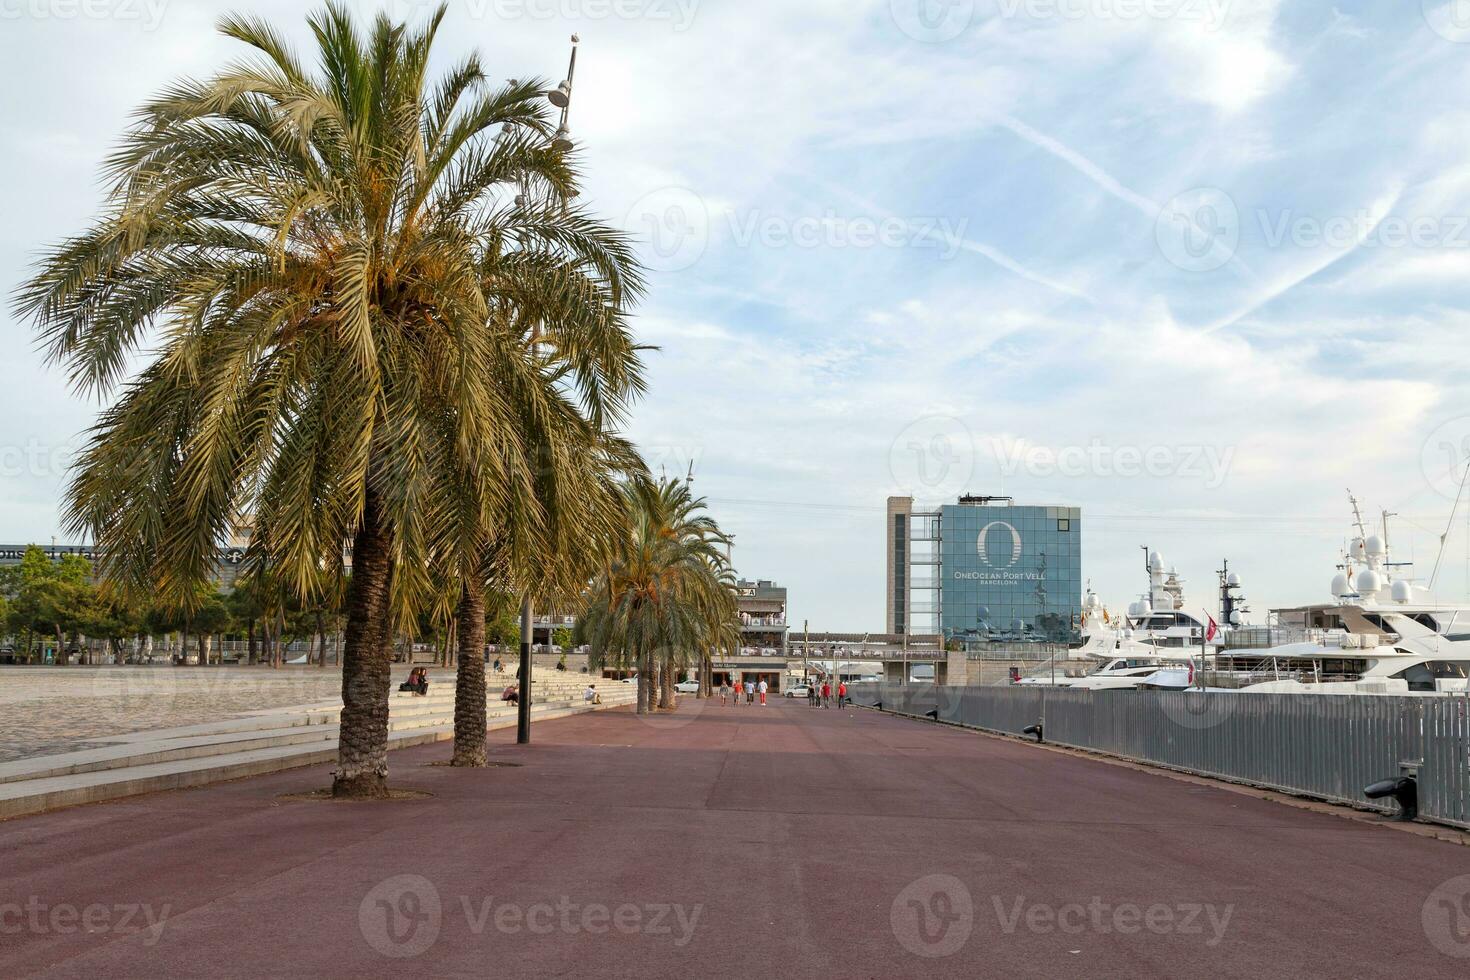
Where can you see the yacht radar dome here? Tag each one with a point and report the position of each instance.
(1357, 550)
(1369, 582)
(1401, 591)
(1374, 546)
(1155, 562)
(1232, 579)
(1340, 586)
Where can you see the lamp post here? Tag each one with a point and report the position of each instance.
(561, 97)
(523, 702)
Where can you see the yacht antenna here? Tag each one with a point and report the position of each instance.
(1449, 524)
(1357, 515)
(1386, 515)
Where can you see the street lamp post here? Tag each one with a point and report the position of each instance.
(523, 705)
(561, 97)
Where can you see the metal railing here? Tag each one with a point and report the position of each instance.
(1319, 745)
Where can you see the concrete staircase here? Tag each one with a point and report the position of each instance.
(266, 741)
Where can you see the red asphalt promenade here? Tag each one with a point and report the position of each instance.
(780, 842)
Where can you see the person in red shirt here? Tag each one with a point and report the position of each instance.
(826, 693)
(841, 692)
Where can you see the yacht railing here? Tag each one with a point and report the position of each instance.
(1264, 637)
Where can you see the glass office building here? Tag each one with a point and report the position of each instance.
(985, 570)
(1010, 573)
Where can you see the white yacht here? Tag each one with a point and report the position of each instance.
(1154, 644)
(1111, 655)
(1381, 634)
(1160, 616)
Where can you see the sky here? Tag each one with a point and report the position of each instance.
(1197, 267)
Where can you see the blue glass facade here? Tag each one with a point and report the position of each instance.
(1010, 573)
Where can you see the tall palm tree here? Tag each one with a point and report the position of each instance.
(581, 373)
(664, 599)
(549, 553)
(315, 266)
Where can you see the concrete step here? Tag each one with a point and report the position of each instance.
(168, 745)
(162, 750)
(37, 795)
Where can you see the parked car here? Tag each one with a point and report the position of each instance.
(687, 687)
(799, 691)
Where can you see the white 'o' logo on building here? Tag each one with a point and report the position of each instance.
(1015, 543)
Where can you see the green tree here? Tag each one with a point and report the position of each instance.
(114, 618)
(340, 258)
(503, 622)
(211, 618)
(46, 598)
(246, 609)
(664, 600)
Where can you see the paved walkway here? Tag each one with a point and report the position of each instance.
(778, 842)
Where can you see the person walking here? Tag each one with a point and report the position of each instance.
(826, 693)
(811, 693)
(750, 692)
(724, 690)
(762, 688)
(841, 693)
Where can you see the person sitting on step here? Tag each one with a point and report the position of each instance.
(418, 682)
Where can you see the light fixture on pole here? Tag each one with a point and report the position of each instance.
(561, 97)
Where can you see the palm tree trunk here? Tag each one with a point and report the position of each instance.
(250, 640)
(645, 666)
(469, 677)
(321, 641)
(666, 692)
(362, 747)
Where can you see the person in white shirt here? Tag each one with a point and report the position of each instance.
(591, 696)
(762, 688)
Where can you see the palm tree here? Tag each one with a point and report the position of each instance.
(664, 598)
(321, 271)
(550, 551)
(581, 372)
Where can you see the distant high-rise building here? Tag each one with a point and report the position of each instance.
(984, 569)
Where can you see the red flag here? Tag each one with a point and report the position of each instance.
(1210, 633)
(1191, 674)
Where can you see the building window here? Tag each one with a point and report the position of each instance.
(1064, 524)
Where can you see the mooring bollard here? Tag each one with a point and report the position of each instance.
(1405, 792)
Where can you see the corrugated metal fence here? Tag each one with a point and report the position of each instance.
(1324, 746)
